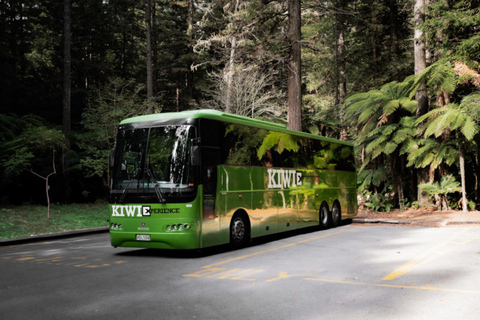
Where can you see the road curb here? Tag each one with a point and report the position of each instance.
(52, 236)
(361, 220)
(443, 222)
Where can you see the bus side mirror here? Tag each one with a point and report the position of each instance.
(112, 157)
(195, 155)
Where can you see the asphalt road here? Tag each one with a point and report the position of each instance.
(351, 272)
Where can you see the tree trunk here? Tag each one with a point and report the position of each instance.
(462, 175)
(421, 95)
(228, 104)
(477, 169)
(341, 81)
(67, 62)
(190, 78)
(393, 27)
(148, 25)
(231, 67)
(67, 87)
(47, 187)
(294, 67)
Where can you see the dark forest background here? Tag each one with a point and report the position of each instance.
(400, 78)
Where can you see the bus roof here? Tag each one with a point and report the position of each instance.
(225, 117)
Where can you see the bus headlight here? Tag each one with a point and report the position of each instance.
(178, 227)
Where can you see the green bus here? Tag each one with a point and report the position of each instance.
(202, 178)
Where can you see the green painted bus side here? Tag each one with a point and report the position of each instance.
(273, 210)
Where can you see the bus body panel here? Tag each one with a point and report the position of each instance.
(276, 205)
(170, 225)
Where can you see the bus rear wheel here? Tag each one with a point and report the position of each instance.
(336, 215)
(239, 230)
(324, 216)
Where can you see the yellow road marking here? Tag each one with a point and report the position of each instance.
(25, 259)
(284, 275)
(277, 248)
(429, 287)
(441, 249)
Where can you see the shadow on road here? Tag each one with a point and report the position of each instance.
(205, 252)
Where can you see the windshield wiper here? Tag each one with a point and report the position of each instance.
(158, 191)
(125, 191)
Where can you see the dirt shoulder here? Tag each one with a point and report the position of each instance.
(425, 217)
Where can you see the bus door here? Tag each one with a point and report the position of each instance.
(210, 154)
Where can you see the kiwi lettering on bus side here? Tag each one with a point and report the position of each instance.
(278, 178)
(140, 211)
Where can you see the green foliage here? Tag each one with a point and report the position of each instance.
(376, 108)
(430, 153)
(445, 186)
(471, 205)
(368, 178)
(452, 26)
(438, 76)
(413, 204)
(247, 146)
(280, 142)
(451, 117)
(32, 148)
(117, 101)
(440, 190)
(380, 201)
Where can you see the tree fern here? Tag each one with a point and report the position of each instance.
(441, 189)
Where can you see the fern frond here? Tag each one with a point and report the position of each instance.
(469, 129)
(391, 106)
(390, 147)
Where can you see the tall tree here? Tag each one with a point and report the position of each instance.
(67, 65)
(421, 95)
(148, 39)
(294, 66)
(231, 65)
(67, 83)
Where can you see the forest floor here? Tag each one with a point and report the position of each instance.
(425, 217)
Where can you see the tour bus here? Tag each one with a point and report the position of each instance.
(196, 179)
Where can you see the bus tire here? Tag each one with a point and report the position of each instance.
(239, 230)
(336, 214)
(324, 216)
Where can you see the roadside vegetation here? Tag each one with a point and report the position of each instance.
(29, 220)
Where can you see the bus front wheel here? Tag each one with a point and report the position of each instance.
(239, 230)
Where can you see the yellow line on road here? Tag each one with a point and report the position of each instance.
(277, 248)
(439, 250)
(430, 288)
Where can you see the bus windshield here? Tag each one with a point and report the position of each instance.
(154, 162)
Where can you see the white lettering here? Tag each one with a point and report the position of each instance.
(146, 211)
(280, 178)
(299, 179)
(271, 179)
(115, 212)
(130, 211)
(286, 178)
